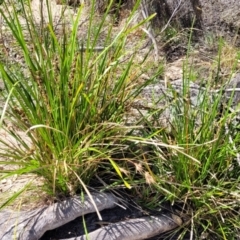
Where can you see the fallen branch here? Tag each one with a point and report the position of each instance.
(134, 229)
(31, 225)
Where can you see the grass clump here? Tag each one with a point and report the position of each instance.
(72, 100)
(71, 104)
(203, 176)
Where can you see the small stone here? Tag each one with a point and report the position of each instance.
(4, 181)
